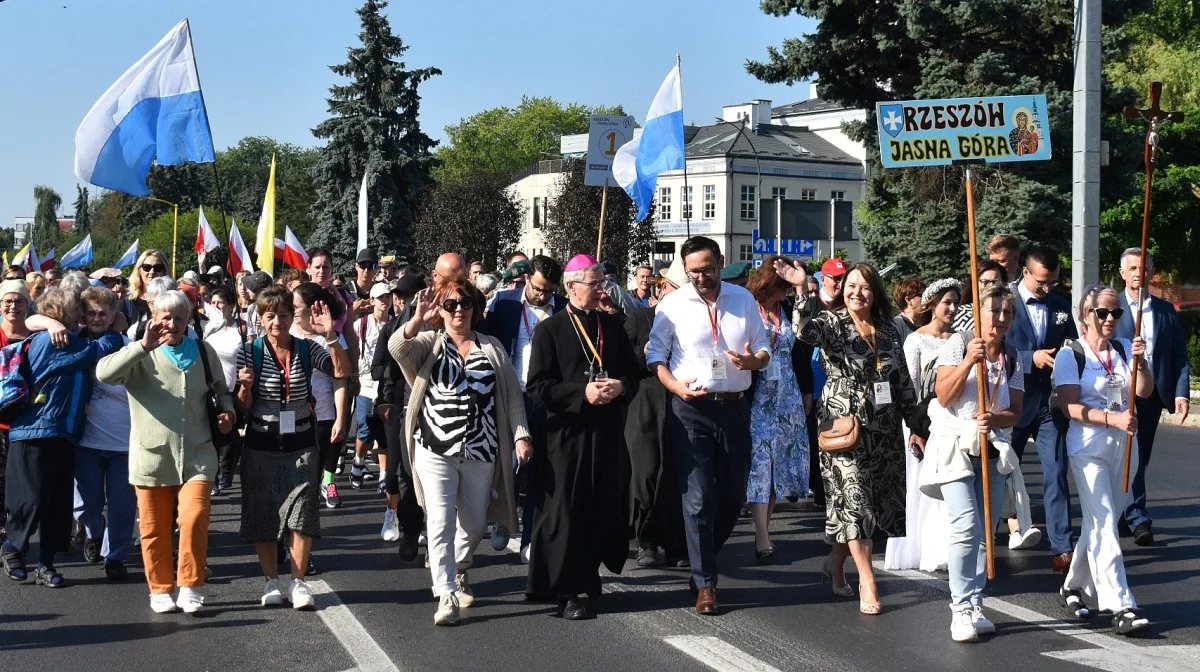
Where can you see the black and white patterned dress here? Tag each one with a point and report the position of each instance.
(458, 416)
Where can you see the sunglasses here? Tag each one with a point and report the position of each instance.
(451, 305)
(366, 265)
(157, 268)
(1103, 313)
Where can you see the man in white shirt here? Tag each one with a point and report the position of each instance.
(1166, 353)
(706, 339)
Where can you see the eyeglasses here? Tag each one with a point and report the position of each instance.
(1103, 313)
(1044, 284)
(988, 283)
(366, 265)
(14, 303)
(157, 268)
(451, 305)
(709, 271)
(540, 290)
(590, 285)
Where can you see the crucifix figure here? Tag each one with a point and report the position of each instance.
(1155, 118)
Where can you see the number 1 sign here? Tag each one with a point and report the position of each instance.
(605, 136)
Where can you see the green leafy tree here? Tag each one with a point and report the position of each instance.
(573, 219)
(503, 141)
(6, 240)
(245, 169)
(45, 233)
(474, 214)
(83, 210)
(373, 128)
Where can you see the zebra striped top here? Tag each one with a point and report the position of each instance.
(458, 416)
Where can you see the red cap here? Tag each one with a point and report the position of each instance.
(833, 267)
(192, 294)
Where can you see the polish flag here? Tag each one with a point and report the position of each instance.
(293, 252)
(47, 262)
(206, 240)
(239, 256)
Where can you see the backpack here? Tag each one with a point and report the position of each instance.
(928, 381)
(1059, 415)
(258, 352)
(16, 381)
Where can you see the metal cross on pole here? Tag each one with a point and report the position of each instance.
(1155, 119)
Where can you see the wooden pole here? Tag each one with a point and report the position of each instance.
(980, 378)
(603, 206)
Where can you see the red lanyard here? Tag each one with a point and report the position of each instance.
(774, 320)
(711, 309)
(598, 349)
(285, 371)
(990, 398)
(525, 308)
(1108, 366)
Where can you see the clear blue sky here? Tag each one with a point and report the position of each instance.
(263, 64)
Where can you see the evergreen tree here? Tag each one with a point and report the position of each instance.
(373, 127)
(83, 212)
(45, 233)
(573, 220)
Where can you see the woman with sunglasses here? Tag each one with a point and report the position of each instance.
(14, 308)
(465, 420)
(1093, 379)
(150, 265)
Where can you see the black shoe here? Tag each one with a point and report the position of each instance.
(574, 609)
(226, 480)
(648, 556)
(408, 547)
(1142, 536)
(91, 551)
(114, 570)
(216, 488)
(745, 512)
(677, 561)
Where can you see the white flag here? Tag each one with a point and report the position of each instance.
(362, 215)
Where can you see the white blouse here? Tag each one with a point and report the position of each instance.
(1087, 438)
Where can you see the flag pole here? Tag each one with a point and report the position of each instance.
(980, 376)
(603, 206)
(200, 87)
(685, 201)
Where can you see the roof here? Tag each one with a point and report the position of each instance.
(810, 106)
(770, 141)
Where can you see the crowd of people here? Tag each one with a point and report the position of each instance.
(557, 404)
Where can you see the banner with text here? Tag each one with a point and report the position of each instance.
(605, 136)
(998, 129)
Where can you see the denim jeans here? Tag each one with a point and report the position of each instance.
(103, 476)
(967, 561)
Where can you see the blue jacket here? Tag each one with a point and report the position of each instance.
(1060, 327)
(62, 385)
(1169, 361)
(504, 318)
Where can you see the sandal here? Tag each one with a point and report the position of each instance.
(869, 608)
(14, 565)
(843, 590)
(48, 577)
(764, 556)
(1127, 623)
(1072, 601)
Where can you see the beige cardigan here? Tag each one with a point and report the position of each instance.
(170, 442)
(416, 357)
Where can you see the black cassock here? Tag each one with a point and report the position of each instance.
(583, 476)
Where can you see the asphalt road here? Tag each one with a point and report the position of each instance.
(376, 612)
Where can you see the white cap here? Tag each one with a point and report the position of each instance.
(379, 289)
(191, 275)
(214, 270)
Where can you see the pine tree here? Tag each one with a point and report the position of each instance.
(373, 126)
(83, 212)
(45, 232)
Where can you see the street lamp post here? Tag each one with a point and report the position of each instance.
(175, 238)
(741, 129)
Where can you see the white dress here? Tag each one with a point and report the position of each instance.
(927, 545)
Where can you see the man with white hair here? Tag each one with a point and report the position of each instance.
(1167, 355)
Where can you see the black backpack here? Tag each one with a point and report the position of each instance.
(928, 382)
(1057, 414)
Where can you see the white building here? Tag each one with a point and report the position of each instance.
(22, 225)
(732, 167)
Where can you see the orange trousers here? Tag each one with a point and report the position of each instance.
(156, 509)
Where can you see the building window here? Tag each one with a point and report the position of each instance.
(745, 252)
(778, 192)
(664, 204)
(537, 212)
(808, 194)
(749, 202)
(710, 201)
(838, 195)
(687, 202)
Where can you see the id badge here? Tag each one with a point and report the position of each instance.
(1114, 388)
(883, 394)
(771, 373)
(287, 422)
(717, 364)
(599, 374)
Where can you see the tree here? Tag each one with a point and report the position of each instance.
(245, 169)
(503, 141)
(83, 211)
(45, 233)
(6, 240)
(573, 217)
(474, 214)
(374, 128)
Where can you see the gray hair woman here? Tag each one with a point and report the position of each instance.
(172, 460)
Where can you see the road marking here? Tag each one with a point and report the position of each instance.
(718, 655)
(349, 632)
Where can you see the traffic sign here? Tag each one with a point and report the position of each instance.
(800, 248)
(605, 136)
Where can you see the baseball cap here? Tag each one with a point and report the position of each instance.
(256, 281)
(379, 289)
(367, 255)
(215, 270)
(833, 267)
(192, 293)
(409, 284)
(387, 259)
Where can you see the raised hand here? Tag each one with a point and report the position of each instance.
(154, 336)
(793, 275)
(427, 305)
(321, 321)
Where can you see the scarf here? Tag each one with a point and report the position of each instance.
(183, 355)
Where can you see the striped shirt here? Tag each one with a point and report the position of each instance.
(268, 388)
(458, 416)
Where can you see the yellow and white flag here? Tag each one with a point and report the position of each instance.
(264, 242)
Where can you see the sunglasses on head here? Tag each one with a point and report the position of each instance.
(158, 268)
(451, 305)
(1103, 313)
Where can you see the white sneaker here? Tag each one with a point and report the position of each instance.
(422, 540)
(499, 537)
(462, 591)
(447, 611)
(302, 599)
(190, 600)
(525, 554)
(391, 526)
(962, 627)
(983, 626)
(161, 603)
(271, 597)
(1018, 541)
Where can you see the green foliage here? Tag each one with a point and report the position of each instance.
(474, 214)
(503, 141)
(83, 210)
(373, 128)
(573, 218)
(245, 169)
(45, 233)
(6, 240)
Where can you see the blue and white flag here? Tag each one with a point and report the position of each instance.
(659, 148)
(154, 111)
(80, 255)
(129, 258)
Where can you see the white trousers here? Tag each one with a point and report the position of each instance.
(457, 494)
(1016, 499)
(1098, 568)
